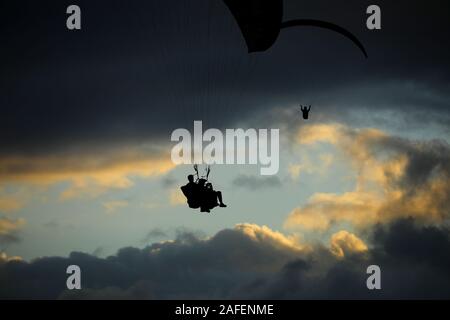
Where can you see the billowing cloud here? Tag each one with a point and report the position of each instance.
(248, 261)
(187, 267)
(343, 243)
(405, 252)
(395, 178)
(5, 258)
(264, 234)
(88, 174)
(325, 209)
(307, 165)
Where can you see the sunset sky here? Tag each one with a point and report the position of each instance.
(86, 176)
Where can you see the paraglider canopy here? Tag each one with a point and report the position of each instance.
(260, 22)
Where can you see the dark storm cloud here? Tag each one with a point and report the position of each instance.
(185, 268)
(137, 70)
(256, 182)
(414, 244)
(426, 160)
(414, 262)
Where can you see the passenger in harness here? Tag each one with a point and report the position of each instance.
(201, 194)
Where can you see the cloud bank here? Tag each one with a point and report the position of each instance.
(395, 178)
(248, 261)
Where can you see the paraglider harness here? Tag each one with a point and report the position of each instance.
(201, 199)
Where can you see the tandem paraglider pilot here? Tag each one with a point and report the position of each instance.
(201, 194)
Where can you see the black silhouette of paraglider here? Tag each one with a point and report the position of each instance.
(260, 22)
(200, 193)
(305, 111)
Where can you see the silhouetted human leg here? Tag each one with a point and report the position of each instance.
(219, 197)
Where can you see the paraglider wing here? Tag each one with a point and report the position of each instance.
(259, 21)
(325, 25)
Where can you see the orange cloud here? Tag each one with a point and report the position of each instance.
(324, 209)
(275, 238)
(88, 174)
(345, 243)
(386, 186)
(5, 258)
(306, 165)
(8, 226)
